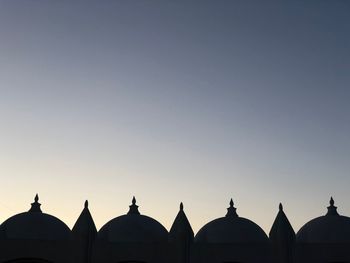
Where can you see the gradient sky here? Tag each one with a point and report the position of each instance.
(193, 101)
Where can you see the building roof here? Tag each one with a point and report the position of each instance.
(282, 230)
(85, 227)
(34, 224)
(231, 229)
(181, 228)
(133, 227)
(330, 228)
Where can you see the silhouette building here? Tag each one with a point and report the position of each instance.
(38, 237)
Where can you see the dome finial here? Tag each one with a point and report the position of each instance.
(36, 205)
(231, 211)
(231, 203)
(332, 210)
(86, 204)
(280, 207)
(181, 206)
(134, 209)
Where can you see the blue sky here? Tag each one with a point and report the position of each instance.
(172, 101)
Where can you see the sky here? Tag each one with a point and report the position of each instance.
(175, 101)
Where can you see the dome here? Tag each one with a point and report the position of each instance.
(231, 229)
(133, 227)
(34, 224)
(330, 228)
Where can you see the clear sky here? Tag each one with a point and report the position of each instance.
(170, 101)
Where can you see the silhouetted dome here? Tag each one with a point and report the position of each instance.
(133, 227)
(34, 224)
(231, 229)
(330, 228)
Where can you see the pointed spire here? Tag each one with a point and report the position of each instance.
(86, 204)
(282, 238)
(181, 227)
(231, 211)
(36, 205)
(134, 209)
(84, 227)
(281, 229)
(332, 210)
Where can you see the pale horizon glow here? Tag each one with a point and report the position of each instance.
(175, 102)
